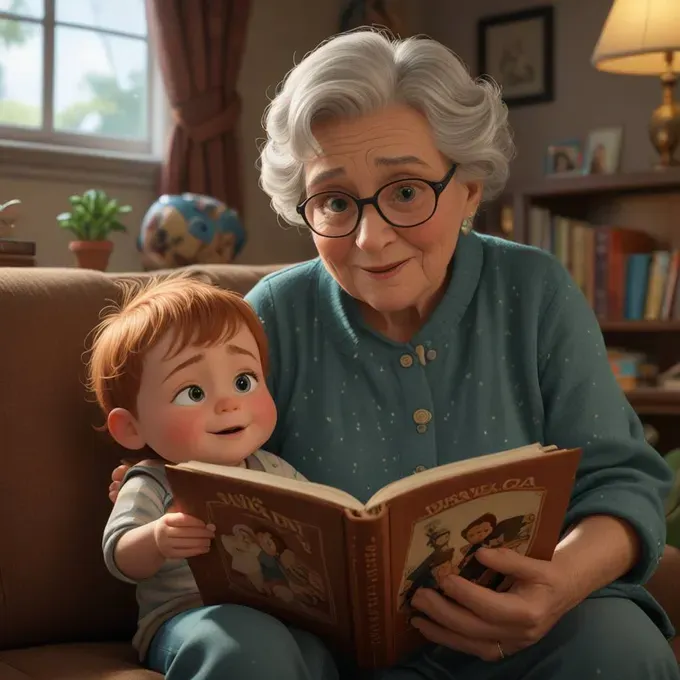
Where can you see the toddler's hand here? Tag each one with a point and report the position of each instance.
(116, 480)
(179, 535)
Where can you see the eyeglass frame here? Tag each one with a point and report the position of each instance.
(437, 187)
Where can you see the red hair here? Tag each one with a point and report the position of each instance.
(193, 310)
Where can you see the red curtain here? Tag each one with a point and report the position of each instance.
(200, 45)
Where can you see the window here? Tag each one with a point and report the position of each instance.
(76, 73)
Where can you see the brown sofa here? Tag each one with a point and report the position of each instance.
(62, 616)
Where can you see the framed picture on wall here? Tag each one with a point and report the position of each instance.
(517, 51)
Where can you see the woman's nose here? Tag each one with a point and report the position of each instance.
(373, 233)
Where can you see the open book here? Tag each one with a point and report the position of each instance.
(316, 557)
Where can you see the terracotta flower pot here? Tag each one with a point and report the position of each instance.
(92, 254)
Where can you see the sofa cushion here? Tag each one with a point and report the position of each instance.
(55, 466)
(74, 662)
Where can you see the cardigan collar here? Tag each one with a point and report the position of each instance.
(341, 314)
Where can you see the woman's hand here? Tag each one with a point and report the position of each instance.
(116, 479)
(491, 625)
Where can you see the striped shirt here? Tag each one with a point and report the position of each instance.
(144, 497)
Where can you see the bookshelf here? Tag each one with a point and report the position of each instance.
(647, 201)
(640, 326)
(652, 401)
(643, 200)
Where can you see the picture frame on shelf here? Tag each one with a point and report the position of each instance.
(564, 158)
(517, 51)
(603, 151)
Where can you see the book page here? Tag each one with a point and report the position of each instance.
(342, 499)
(462, 467)
(337, 497)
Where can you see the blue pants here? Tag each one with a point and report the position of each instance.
(601, 639)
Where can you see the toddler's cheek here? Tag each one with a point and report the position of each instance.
(262, 408)
(181, 431)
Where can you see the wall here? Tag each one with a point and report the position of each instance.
(279, 31)
(43, 181)
(584, 97)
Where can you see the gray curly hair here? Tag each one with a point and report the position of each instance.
(360, 72)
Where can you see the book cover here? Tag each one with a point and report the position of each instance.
(621, 244)
(319, 559)
(520, 506)
(637, 283)
(274, 550)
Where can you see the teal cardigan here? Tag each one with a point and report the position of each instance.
(513, 354)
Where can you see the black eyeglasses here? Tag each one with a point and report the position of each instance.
(403, 203)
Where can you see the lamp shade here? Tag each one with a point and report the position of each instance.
(637, 36)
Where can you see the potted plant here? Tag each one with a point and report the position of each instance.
(93, 218)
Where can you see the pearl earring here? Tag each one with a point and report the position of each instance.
(466, 226)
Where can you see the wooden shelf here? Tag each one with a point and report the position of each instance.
(581, 185)
(654, 401)
(640, 326)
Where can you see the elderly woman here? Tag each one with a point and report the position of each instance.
(412, 341)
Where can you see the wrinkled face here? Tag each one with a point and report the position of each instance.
(389, 269)
(206, 403)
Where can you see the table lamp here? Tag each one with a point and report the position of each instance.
(642, 37)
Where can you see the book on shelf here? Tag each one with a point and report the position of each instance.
(625, 274)
(318, 558)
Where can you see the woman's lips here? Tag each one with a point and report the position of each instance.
(385, 272)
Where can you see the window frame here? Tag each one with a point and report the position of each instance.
(47, 136)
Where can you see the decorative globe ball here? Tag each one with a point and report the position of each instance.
(183, 229)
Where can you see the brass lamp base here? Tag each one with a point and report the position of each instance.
(664, 127)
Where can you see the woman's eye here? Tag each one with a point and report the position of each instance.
(336, 204)
(245, 382)
(405, 193)
(189, 396)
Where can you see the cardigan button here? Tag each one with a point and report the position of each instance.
(422, 416)
(406, 360)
